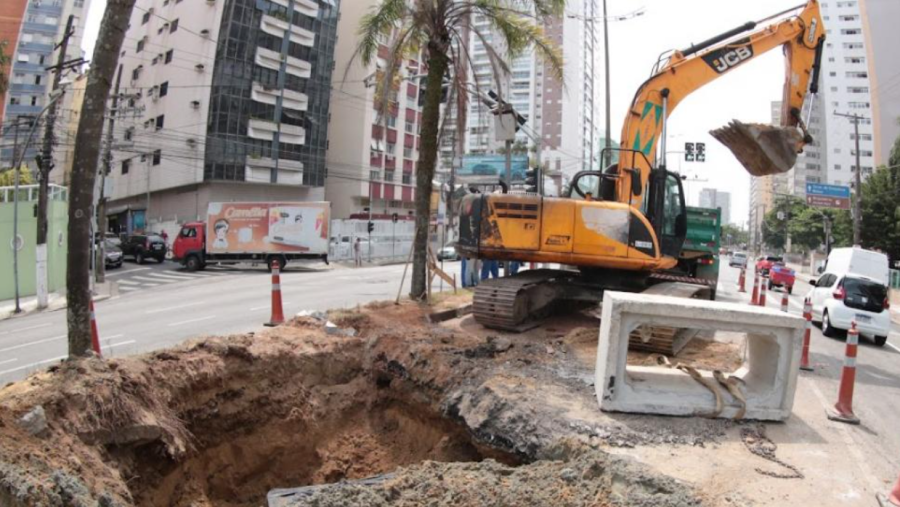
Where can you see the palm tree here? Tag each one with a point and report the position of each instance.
(438, 31)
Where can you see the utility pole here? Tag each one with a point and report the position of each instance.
(45, 165)
(15, 238)
(100, 262)
(857, 179)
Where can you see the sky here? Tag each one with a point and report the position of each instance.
(745, 93)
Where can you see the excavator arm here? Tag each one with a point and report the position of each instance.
(761, 149)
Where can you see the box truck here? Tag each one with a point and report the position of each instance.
(256, 232)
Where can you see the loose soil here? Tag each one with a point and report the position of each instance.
(453, 414)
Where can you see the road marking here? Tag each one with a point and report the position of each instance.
(891, 345)
(26, 328)
(191, 321)
(108, 338)
(167, 276)
(117, 273)
(32, 365)
(7, 361)
(129, 342)
(128, 282)
(160, 310)
(128, 289)
(151, 280)
(38, 342)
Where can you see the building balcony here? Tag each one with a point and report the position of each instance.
(35, 46)
(40, 28)
(265, 130)
(259, 170)
(272, 60)
(307, 7)
(290, 99)
(15, 88)
(277, 27)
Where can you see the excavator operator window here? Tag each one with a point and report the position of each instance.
(672, 205)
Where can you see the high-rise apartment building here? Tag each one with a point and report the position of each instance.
(225, 100)
(562, 115)
(845, 89)
(371, 156)
(12, 13)
(879, 21)
(32, 50)
(713, 198)
(765, 189)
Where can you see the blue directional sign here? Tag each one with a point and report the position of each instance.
(827, 196)
(827, 190)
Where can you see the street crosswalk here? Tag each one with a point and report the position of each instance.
(135, 280)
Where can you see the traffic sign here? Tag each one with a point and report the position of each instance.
(688, 152)
(827, 190)
(828, 196)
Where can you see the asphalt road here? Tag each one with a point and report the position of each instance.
(877, 389)
(169, 306)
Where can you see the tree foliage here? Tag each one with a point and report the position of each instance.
(4, 61)
(438, 31)
(8, 176)
(880, 209)
(733, 235)
(805, 225)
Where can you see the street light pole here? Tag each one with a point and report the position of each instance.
(857, 183)
(606, 153)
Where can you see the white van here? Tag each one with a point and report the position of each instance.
(853, 287)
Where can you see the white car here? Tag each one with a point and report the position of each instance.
(853, 288)
(738, 260)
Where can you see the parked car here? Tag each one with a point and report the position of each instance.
(738, 260)
(764, 263)
(853, 288)
(782, 276)
(448, 253)
(113, 255)
(142, 246)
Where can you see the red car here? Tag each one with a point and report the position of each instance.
(782, 276)
(764, 263)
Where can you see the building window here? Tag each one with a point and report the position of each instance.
(34, 101)
(389, 176)
(14, 101)
(392, 121)
(129, 134)
(408, 152)
(390, 147)
(126, 165)
(140, 46)
(860, 75)
(146, 18)
(173, 26)
(164, 89)
(157, 157)
(136, 74)
(837, 167)
(37, 79)
(374, 175)
(160, 121)
(407, 178)
(410, 127)
(169, 54)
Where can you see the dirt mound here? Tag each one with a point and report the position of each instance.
(588, 478)
(222, 421)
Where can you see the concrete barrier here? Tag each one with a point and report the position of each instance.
(769, 373)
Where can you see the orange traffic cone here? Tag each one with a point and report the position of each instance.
(95, 335)
(784, 302)
(807, 314)
(742, 281)
(843, 409)
(754, 298)
(762, 291)
(894, 498)
(277, 310)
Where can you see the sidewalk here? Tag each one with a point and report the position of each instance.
(56, 301)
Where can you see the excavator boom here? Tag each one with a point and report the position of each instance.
(761, 149)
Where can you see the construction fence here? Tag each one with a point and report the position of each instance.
(390, 241)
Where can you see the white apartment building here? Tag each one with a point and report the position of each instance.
(713, 198)
(563, 118)
(845, 89)
(221, 100)
(368, 166)
(879, 19)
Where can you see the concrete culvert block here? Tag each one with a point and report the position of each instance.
(767, 379)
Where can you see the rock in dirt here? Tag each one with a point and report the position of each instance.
(313, 314)
(35, 421)
(333, 329)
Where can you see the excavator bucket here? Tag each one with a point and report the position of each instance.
(761, 149)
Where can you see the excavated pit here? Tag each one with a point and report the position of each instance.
(436, 412)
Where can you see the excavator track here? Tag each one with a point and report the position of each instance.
(519, 302)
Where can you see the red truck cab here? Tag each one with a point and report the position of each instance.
(190, 245)
(782, 276)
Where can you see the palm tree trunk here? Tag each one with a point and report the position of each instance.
(84, 171)
(437, 66)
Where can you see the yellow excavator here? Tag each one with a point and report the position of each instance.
(625, 226)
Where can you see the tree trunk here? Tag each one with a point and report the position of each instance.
(84, 172)
(437, 66)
